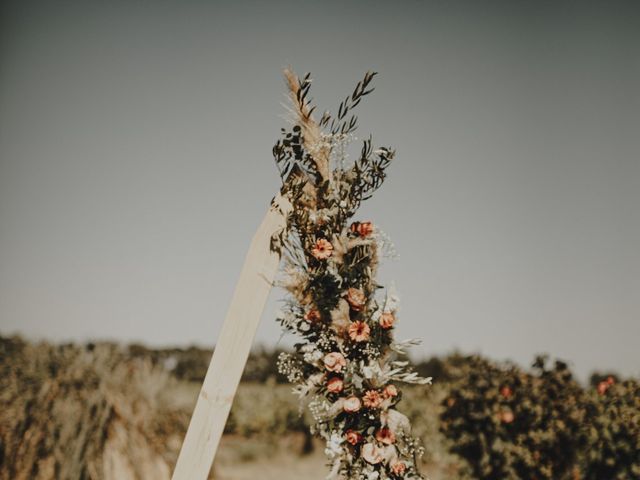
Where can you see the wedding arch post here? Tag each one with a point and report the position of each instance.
(232, 348)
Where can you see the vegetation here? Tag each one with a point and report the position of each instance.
(102, 411)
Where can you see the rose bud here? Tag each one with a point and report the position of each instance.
(398, 467)
(335, 385)
(362, 228)
(387, 320)
(390, 391)
(353, 437)
(312, 315)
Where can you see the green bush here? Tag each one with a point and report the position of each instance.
(613, 432)
(509, 424)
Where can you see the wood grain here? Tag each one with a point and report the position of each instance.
(232, 349)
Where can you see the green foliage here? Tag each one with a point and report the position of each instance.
(509, 424)
(59, 399)
(278, 413)
(613, 434)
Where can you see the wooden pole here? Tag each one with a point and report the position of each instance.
(232, 349)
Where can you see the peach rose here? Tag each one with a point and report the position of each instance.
(398, 467)
(351, 404)
(312, 315)
(322, 249)
(386, 436)
(362, 228)
(359, 331)
(387, 320)
(390, 391)
(353, 437)
(335, 385)
(334, 362)
(372, 399)
(356, 299)
(371, 453)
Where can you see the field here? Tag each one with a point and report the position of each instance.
(104, 411)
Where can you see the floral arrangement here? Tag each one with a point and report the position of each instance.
(346, 366)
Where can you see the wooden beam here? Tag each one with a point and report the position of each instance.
(232, 349)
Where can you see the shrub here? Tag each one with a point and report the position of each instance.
(613, 432)
(509, 424)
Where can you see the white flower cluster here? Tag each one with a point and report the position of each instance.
(289, 367)
(310, 353)
(333, 448)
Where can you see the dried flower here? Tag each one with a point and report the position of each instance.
(343, 368)
(334, 361)
(398, 467)
(362, 228)
(387, 320)
(340, 320)
(372, 399)
(352, 404)
(359, 331)
(386, 436)
(335, 385)
(323, 249)
(356, 299)
(313, 315)
(353, 437)
(390, 391)
(371, 453)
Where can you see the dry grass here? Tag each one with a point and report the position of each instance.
(71, 412)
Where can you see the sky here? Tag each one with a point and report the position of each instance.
(135, 165)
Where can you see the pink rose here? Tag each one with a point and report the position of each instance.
(387, 320)
(352, 404)
(371, 453)
(334, 361)
(353, 437)
(335, 385)
(390, 391)
(386, 436)
(356, 299)
(398, 467)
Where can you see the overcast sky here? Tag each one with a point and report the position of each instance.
(135, 165)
